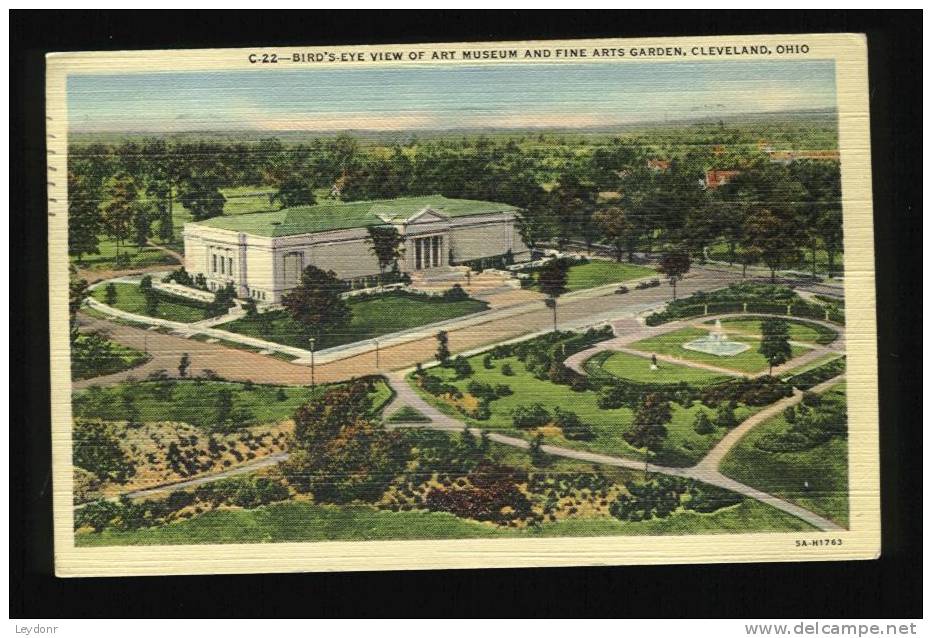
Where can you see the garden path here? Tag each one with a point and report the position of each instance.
(706, 470)
(630, 330)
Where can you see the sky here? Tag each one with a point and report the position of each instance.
(445, 97)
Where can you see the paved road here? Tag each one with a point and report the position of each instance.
(585, 308)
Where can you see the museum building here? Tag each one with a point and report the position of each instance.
(264, 254)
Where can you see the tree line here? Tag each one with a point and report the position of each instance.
(603, 193)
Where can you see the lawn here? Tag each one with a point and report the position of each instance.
(137, 257)
(683, 446)
(130, 299)
(671, 344)
(719, 251)
(803, 331)
(372, 318)
(782, 474)
(304, 522)
(122, 358)
(194, 401)
(600, 273)
(636, 368)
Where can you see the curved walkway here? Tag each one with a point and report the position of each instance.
(706, 470)
(629, 331)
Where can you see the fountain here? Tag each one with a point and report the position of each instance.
(717, 343)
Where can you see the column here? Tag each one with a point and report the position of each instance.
(427, 255)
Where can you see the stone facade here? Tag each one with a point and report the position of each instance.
(264, 268)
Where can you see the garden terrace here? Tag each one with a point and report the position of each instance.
(130, 298)
(799, 330)
(519, 377)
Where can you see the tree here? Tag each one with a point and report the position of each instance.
(573, 202)
(648, 430)
(535, 225)
(110, 294)
(202, 198)
(616, 229)
(443, 348)
(77, 293)
(674, 266)
(141, 226)
(387, 244)
(183, 364)
(316, 303)
(294, 190)
(775, 238)
(775, 342)
(338, 453)
(552, 280)
(119, 213)
(84, 220)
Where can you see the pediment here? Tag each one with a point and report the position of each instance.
(427, 216)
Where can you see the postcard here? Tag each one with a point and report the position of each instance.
(502, 304)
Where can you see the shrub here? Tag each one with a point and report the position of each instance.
(507, 371)
(621, 290)
(789, 414)
(530, 416)
(461, 367)
(707, 498)
(503, 390)
(654, 499)
(703, 424)
(482, 412)
(725, 417)
(487, 362)
(280, 395)
(455, 293)
(572, 426)
(482, 391)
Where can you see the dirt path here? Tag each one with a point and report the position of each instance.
(168, 251)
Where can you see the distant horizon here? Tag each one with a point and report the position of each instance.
(556, 129)
(438, 98)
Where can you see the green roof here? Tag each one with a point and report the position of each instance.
(302, 220)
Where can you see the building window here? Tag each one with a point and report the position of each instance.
(435, 250)
(214, 259)
(230, 266)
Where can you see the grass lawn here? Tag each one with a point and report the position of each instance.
(302, 522)
(373, 317)
(194, 401)
(138, 257)
(683, 446)
(671, 344)
(782, 474)
(130, 299)
(813, 364)
(635, 368)
(123, 358)
(599, 273)
(803, 331)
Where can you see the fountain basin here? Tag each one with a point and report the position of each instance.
(711, 344)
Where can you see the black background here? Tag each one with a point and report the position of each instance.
(888, 587)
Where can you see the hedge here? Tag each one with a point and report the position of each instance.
(815, 376)
(724, 307)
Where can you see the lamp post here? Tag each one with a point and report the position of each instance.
(376, 353)
(312, 340)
